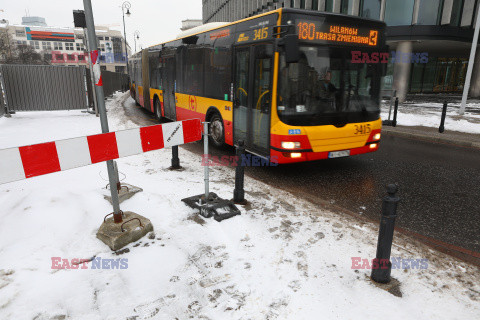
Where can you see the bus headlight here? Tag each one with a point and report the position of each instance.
(373, 146)
(377, 136)
(290, 145)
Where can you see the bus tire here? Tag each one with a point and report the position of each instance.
(216, 130)
(158, 109)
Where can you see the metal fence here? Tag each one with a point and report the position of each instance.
(35, 88)
(2, 102)
(114, 81)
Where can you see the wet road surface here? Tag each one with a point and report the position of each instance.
(439, 183)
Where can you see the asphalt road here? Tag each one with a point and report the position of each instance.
(439, 184)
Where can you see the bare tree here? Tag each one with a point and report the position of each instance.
(27, 55)
(7, 47)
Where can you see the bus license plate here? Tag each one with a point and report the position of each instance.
(339, 154)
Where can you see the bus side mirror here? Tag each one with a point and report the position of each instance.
(290, 44)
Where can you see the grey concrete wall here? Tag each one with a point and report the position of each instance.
(467, 16)
(447, 11)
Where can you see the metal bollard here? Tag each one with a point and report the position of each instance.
(441, 129)
(382, 265)
(175, 159)
(239, 192)
(205, 154)
(395, 110)
(117, 176)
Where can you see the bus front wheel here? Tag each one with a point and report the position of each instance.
(217, 130)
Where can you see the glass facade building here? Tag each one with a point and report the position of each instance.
(370, 9)
(399, 13)
(443, 29)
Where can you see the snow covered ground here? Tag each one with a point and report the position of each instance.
(429, 115)
(283, 258)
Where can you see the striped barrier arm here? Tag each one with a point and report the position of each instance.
(44, 158)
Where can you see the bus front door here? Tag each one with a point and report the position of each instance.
(168, 76)
(252, 92)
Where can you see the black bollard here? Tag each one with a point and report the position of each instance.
(175, 159)
(395, 110)
(382, 267)
(238, 192)
(441, 129)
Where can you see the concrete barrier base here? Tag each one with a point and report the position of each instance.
(134, 225)
(125, 193)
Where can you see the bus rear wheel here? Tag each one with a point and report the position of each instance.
(217, 130)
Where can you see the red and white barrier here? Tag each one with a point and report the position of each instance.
(39, 159)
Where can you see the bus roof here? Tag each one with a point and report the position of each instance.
(281, 10)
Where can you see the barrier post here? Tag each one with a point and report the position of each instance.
(175, 159)
(441, 129)
(395, 110)
(381, 273)
(92, 43)
(210, 204)
(239, 192)
(205, 152)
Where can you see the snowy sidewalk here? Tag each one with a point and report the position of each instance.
(428, 114)
(283, 258)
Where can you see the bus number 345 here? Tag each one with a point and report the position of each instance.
(261, 34)
(362, 129)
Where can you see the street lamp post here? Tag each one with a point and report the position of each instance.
(136, 35)
(126, 5)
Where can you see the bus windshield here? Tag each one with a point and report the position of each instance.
(326, 88)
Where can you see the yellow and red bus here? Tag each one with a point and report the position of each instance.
(283, 82)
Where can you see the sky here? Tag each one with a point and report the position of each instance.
(156, 20)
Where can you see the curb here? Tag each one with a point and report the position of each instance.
(429, 138)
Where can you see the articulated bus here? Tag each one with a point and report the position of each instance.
(284, 82)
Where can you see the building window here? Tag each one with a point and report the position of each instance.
(102, 47)
(59, 56)
(80, 47)
(107, 38)
(79, 36)
(370, 9)
(103, 68)
(329, 5)
(430, 12)
(100, 38)
(120, 69)
(456, 12)
(46, 45)
(57, 46)
(346, 6)
(47, 57)
(399, 13)
(35, 44)
(302, 4)
(22, 42)
(81, 58)
(102, 58)
(69, 46)
(314, 4)
(20, 33)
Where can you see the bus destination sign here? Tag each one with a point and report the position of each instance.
(325, 32)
